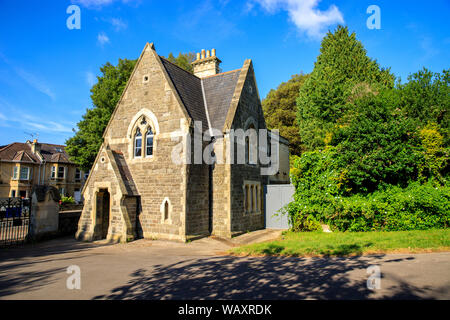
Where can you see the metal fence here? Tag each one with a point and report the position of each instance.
(15, 214)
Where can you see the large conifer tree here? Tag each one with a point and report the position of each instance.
(341, 71)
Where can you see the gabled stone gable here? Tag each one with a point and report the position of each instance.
(143, 190)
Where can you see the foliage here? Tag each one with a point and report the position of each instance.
(377, 146)
(342, 72)
(67, 200)
(320, 193)
(280, 107)
(183, 60)
(435, 154)
(377, 154)
(425, 98)
(350, 243)
(105, 94)
(299, 221)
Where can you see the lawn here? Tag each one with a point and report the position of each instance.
(350, 243)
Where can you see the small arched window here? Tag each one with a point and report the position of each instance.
(149, 142)
(250, 145)
(166, 210)
(138, 144)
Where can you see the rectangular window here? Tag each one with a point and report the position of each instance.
(61, 171)
(13, 193)
(86, 175)
(252, 197)
(77, 174)
(53, 174)
(62, 192)
(24, 173)
(15, 173)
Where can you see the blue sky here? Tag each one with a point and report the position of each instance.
(47, 70)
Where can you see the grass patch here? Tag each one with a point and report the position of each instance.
(350, 243)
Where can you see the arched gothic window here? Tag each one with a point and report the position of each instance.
(149, 142)
(138, 144)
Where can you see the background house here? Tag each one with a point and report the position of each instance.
(23, 165)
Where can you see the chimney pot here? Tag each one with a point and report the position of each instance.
(198, 55)
(207, 64)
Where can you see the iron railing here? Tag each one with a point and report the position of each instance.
(15, 214)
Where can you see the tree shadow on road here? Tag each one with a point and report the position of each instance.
(14, 276)
(256, 278)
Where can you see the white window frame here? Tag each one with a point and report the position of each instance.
(15, 173)
(77, 174)
(63, 172)
(135, 147)
(53, 172)
(147, 136)
(28, 170)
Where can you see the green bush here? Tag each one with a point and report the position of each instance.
(320, 196)
(67, 200)
(299, 221)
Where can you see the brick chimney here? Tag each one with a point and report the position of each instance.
(35, 146)
(207, 64)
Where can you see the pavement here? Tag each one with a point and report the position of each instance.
(201, 269)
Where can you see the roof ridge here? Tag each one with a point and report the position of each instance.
(163, 58)
(222, 73)
(52, 144)
(7, 146)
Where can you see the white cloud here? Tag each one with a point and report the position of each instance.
(28, 121)
(38, 123)
(90, 78)
(32, 80)
(35, 82)
(102, 39)
(98, 4)
(118, 24)
(305, 15)
(93, 3)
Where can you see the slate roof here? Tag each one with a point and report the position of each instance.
(219, 90)
(54, 153)
(189, 89)
(18, 151)
(21, 152)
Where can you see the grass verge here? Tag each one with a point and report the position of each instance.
(350, 243)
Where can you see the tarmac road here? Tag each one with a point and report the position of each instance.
(147, 269)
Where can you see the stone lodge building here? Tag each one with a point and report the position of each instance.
(23, 165)
(136, 188)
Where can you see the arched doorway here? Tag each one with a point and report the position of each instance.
(103, 212)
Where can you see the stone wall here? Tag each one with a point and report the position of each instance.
(44, 212)
(151, 97)
(249, 107)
